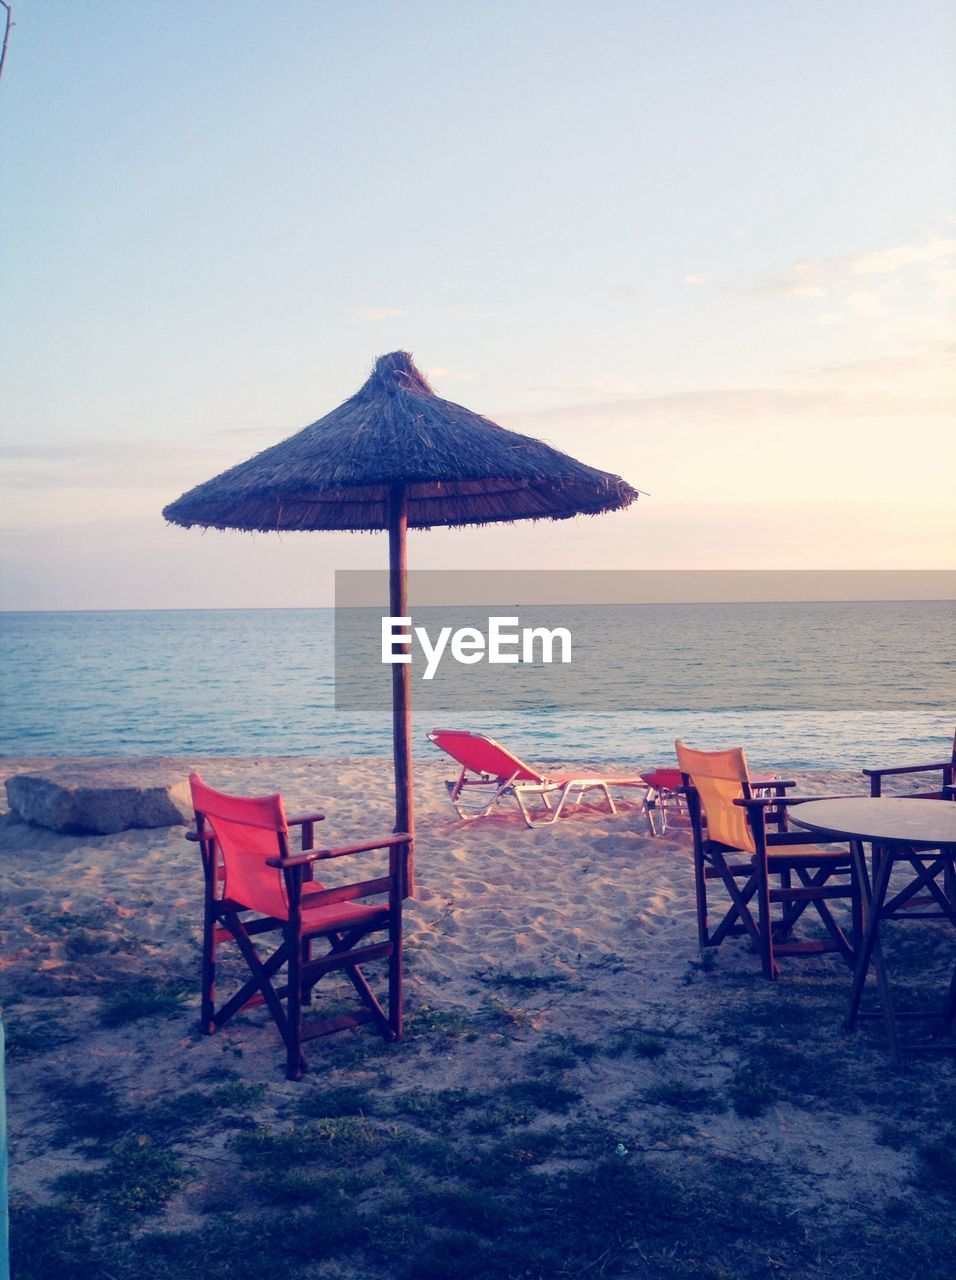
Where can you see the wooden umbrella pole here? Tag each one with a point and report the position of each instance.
(401, 672)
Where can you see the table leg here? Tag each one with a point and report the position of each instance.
(871, 950)
(866, 942)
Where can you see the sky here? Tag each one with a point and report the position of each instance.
(707, 245)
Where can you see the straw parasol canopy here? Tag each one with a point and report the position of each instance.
(396, 456)
(457, 468)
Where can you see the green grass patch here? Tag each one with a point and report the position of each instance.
(142, 998)
(530, 981)
(28, 1032)
(138, 1178)
(344, 1140)
(87, 1113)
(937, 1165)
(636, 1040)
(345, 1100)
(440, 1025)
(531, 1097)
(561, 1053)
(686, 1098)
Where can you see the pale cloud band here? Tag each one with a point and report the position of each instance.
(841, 276)
(374, 313)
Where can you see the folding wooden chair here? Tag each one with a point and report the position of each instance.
(945, 768)
(757, 867)
(943, 791)
(255, 886)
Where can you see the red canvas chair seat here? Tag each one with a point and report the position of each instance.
(757, 867)
(339, 916)
(329, 915)
(491, 773)
(255, 886)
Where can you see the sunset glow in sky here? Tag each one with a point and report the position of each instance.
(710, 247)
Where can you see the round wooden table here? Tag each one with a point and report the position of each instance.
(921, 833)
(885, 820)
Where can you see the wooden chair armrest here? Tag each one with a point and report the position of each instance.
(763, 802)
(323, 855)
(777, 784)
(777, 838)
(907, 768)
(307, 823)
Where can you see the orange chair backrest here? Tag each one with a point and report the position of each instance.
(483, 755)
(720, 778)
(248, 830)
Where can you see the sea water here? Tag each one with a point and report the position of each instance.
(823, 685)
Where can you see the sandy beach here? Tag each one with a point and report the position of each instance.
(565, 954)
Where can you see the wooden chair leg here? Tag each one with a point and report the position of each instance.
(293, 1027)
(767, 961)
(207, 1012)
(307, 988)
(785, 926)
(395, 972)
(700, 885)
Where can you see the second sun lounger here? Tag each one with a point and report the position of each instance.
(488, 767)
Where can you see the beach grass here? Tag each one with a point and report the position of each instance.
(545, 1173)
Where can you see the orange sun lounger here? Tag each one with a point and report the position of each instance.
(490, 767)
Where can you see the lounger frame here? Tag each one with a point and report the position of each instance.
(525, 785)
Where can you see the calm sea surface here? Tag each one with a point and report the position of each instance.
(800, 685)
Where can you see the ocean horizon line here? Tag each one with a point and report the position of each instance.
(472, 604)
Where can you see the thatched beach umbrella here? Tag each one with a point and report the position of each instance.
(395, 456)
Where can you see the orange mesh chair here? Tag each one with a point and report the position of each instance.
(946, 769)
(733, 845)
(488, 767)
(254, 885)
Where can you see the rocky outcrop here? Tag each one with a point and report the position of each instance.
(100, 797)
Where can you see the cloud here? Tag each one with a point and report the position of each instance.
(374, 313)
(622, 289)
(840, 277)
(920, 366)
(914, 383)
(601, 387)
(97, 465)
(933, 249)
(696, 280)
(438, 372)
